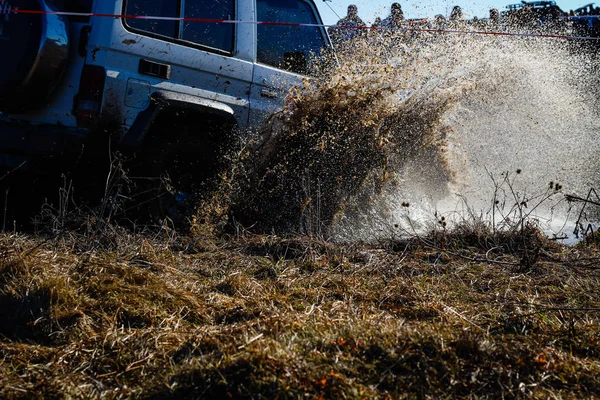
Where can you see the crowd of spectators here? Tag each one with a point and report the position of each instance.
(529, 17)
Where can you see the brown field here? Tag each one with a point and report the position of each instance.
(163, 316)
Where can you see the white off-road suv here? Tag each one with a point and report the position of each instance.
(170, 90)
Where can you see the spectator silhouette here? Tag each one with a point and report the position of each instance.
(345, 30)
(439, 21)
(493, 22)
(494, 16)
(396, 18)
(455, 20)
(456, 14)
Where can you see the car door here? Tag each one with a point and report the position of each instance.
(285, 54)
(192, 57)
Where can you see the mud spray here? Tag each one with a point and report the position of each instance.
(414, 126)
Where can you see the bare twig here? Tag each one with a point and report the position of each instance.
(571, 197)
(12, 170)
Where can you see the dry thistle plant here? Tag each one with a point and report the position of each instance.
(511, 225)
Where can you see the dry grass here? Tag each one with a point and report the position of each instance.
(267, 317)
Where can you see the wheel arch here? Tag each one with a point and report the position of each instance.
(168, 103)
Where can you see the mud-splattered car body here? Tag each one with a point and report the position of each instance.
(123, 72)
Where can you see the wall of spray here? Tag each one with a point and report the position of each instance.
(517, 104)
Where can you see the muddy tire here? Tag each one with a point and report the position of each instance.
(177, 180)
(34, 49)
(177, 170)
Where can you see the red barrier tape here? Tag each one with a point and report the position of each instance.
(6, 9)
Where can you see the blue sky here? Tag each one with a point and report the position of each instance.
(369, 9)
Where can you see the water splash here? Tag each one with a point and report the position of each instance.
(541, 118)
(413, 124)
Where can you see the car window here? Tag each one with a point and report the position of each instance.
(215, 35)
(288, 47)
(155, 8)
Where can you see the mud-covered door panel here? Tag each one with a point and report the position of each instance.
(284, 53)
(191, 57)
